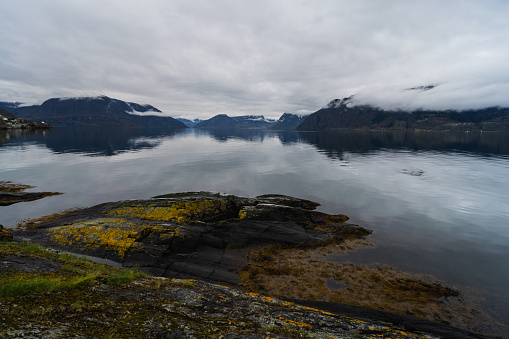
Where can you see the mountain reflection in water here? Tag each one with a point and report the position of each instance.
(437, 201)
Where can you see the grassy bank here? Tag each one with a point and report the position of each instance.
(45, 293)
(69, 272)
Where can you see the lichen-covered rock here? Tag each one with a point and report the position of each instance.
(276, 245)
(4, 234)
(191, 235)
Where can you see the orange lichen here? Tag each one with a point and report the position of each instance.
(5, 235)
(294, 322)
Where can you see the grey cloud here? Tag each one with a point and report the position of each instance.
(201, 58)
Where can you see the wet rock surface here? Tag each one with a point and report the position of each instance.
(190, 235)
(272, 244)
(156, 307)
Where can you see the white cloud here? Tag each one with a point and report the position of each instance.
(200, 58)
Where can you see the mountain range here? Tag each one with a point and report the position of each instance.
(246, 121)
(338, 114)
(107, 112)
(93, 111)
(343, 114)
(287, 121)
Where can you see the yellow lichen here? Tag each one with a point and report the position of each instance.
(242, 214)
(179, 212)
(115, 234)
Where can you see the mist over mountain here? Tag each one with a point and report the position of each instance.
(94, 111)
(348, 114)
(137, 108)
(9, 106)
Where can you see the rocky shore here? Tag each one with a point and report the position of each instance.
(191, 235)
(222, 266)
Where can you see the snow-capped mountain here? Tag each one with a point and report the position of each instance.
(188, 122)
(245, 121)
(289, 121)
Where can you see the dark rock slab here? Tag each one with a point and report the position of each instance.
(191, 235)
(409, 323)
(7, 199)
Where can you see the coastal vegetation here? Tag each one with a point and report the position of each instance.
(46, 293)
(70, 271)
(261, 250)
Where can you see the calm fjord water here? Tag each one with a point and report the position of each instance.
(437, 202)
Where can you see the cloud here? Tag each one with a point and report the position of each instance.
(200, 58)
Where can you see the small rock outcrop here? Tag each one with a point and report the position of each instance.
(191, 235)
(12, 193)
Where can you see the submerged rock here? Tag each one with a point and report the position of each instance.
(191, 235)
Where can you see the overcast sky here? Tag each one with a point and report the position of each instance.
(195, 58)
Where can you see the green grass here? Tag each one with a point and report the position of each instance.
(26, 246)
(74, 272)
(123, 276)
(24, 286)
